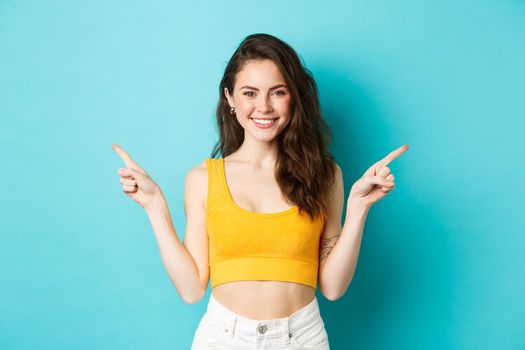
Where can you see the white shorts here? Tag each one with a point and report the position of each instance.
(221, 328)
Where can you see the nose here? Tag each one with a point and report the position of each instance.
(264, 105)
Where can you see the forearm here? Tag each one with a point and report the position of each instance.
(177, 260)
(339, 266)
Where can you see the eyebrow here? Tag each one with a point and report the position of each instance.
(254, 88)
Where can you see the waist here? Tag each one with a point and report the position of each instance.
(263, 299)
(222, 315)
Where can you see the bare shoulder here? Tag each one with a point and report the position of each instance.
(336, 195)
(198, 173)
(197, 182)
(338, 185)
(338, 180)
(338, 171)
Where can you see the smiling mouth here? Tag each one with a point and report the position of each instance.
(264, 123)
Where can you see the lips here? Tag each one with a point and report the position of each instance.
(266, 125)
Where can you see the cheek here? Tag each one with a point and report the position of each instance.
(284, 105)
(245, 107)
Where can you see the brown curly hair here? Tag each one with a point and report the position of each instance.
(305, 169)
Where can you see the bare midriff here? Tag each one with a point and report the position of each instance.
(263, 300)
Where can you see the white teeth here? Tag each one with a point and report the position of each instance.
(260, 121)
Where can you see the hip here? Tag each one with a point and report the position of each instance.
(222, 328)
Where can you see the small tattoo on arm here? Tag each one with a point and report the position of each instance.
(327, 244)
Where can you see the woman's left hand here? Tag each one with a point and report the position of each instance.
(376, 182)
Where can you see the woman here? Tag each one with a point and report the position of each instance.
(264, 220)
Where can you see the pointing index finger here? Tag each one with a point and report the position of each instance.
(122, 154)
(130, 163)
(394, 154)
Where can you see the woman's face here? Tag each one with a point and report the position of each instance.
(261, 99)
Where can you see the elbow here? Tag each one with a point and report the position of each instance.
(332, 296)
(190, 300)
(194, 298)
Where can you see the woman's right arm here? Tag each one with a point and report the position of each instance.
(186, 264)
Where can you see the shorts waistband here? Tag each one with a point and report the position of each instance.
(233, 322)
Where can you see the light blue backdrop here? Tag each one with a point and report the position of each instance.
(441, 265)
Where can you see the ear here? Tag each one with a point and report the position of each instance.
(229, 98)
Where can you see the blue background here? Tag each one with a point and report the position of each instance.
(441, 263)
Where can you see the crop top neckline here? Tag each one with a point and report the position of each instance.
(222, 174)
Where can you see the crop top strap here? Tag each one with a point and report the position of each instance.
(216, 192)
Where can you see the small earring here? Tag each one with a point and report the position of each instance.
(232, 110)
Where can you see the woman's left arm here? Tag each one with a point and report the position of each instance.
(339, 246)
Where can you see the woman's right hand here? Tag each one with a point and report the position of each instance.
(136, 182)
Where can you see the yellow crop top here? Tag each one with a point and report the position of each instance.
(245, 245)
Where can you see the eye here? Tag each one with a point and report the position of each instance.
(248, 92)
(282, 93)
